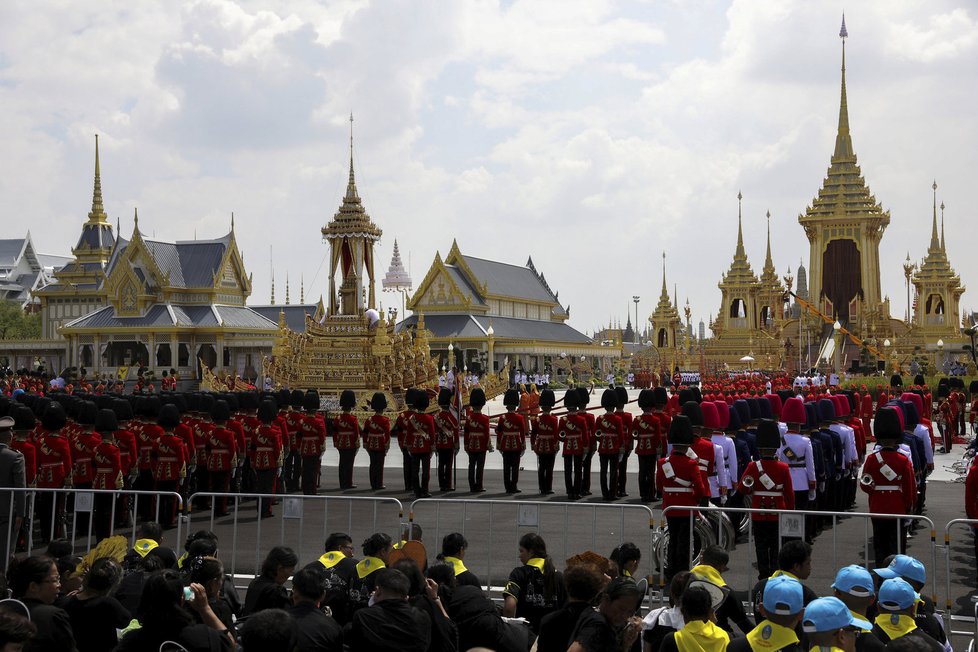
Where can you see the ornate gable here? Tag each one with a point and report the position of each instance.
(439, 291)
(135, 281)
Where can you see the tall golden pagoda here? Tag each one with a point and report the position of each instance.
(665, 320)
(939, 290)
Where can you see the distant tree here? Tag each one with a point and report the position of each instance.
(15, 324)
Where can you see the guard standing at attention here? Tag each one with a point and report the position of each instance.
(377, 439)
(645, 430)
(402, 431)
(621, 394)
(544, 441)
(572, 430)
(511, 433)
(477, 440)
(222, 455)
(583, 398)
(446, 439)
(169, 463)
(888, 478)
(796, 452)
(608, 429)
(682, 484)
(346, 438)
(420, 443)
(768, 482)
(312, 442)
(266, 454)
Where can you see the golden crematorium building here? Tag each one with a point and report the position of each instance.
(489, 310)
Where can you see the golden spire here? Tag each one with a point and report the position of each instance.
(935, 243)
(272, 298)
(767, 261)
(97, 214)
(302, 289)
(740, 254)
(843, 141)
(286, 288)
(665, 293)
(942, 228)
(351, 185)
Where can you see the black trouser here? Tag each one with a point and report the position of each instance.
(623, 472)
(265, 484)
(52, 505)
(168, 504)
(147, 507)
(346, 468)
(677, 553)
(545, 472)
(203, 481)
(445, 459)
(646, 476)
(420, 473)
(408, 475)
(102, 516)
(609, 486)
(511, 471)
(586, 473)
(767, 544)
(921, 495)
(888, 538)
(573, 474)
(293, 471)
(311, 466)
(377, 469)
(219, 482)
(801, 502)
(477, 467)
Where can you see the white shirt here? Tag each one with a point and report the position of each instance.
(729, 457)
(802, 470)
(922, 433)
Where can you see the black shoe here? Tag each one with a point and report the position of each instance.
(481, 490)
(423, 495)
(585, 493)
(517, 491)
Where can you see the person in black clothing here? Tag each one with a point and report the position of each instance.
(614, 625)
(209, 573)
(583, 584)
(794, 560)
(731, 610)
(479, 624)
(453, 548)
(626, 558)
(96, 615)
(270, 629)
(535, 589)
(15, 630)
(35, 582)
(424, 595)
(315, 631)
(377, 550)
(267, 591)
(913, 572)
(391, 624)
(336, 568)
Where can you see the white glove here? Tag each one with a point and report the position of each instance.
(811, 494)
(280, 470)
(234, 471)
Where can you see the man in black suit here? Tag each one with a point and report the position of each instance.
(11, 503)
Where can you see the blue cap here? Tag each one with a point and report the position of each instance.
(897, 595)
(855, 580)
(828, 615)
(906, 567)
(783, 596)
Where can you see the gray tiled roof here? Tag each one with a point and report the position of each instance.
(509, 280)
(463, 284)
(105, 317)
(242, 317)
(193, 316)
(191, 263)
(504, 328)
(95, 236)
(10, 250)
(295, 314)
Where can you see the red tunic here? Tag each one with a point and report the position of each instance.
(896, 494)
(422, 433)
(645, 429)
(590, 442)
(703, 447)
(266, 448)
(237, 427)
(29, 451)
(169, 458)
(346, 432)
(128, 454)
(312, 435)
(402, 428)
(682, 483)
(608, 431)
(108, 467)
(221, 449)
(511, 433)
(82, 453)
(377, 433)
(146, 440)
(626, 431)
(185, 431)
(202, 431)
(770, 487)
(573, 430)
(295, 421)
(476, 433)
(543, 436)
(446, 429)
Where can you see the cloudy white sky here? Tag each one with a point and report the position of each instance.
(591, 135)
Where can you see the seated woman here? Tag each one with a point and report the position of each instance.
(267, 591)
(95, 614)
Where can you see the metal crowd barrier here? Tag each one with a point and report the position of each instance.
(493, 529)
(75, 502)
(303, 523)
(969, 583)
(868, 553)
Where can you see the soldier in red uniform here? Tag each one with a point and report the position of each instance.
(701, 445)
(446, 439)
(768, 482)
(169, 463)
(107, 465)
(312, 442)
(572, 430)
(83, 447)
(402, 431)
(195, 430)
(608, 430)
(24, 423)
(645, 430)
(866, 412)
(147, 434)
(346, 438)
(295, 419)
(511, 432)
(621, 394)
(888, 478)
(682, 484)
(422, 436)
(544, 442)
(583, 398)
(477, 440)
(221, 451)
(377, 439)
(266, 454)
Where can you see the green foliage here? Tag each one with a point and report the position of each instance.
(15, 324)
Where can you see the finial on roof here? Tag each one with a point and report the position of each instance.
(768, 262)
(935, 242)
(351, 186)
(232, 221)
(843, 140)
(286, 288)
(97, 214)
(665, 292)
(135, 218)
(942, 227)
(302, 290)
(740, 253)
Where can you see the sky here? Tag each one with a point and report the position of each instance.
(588, 134)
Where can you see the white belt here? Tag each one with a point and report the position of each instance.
(888, 487)
(771, 494)
(679, 490)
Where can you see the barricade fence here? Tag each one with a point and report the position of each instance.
(300, 522)
(960, 561)
(493, 529)
(83, 516)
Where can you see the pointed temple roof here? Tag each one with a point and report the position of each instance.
(936, 264)
(351, 219)
(844, 193)
(740, 271)
(97, 231)
(397, 277)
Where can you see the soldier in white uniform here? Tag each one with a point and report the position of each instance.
(850, 458)
(796, 452)
(724, 450)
